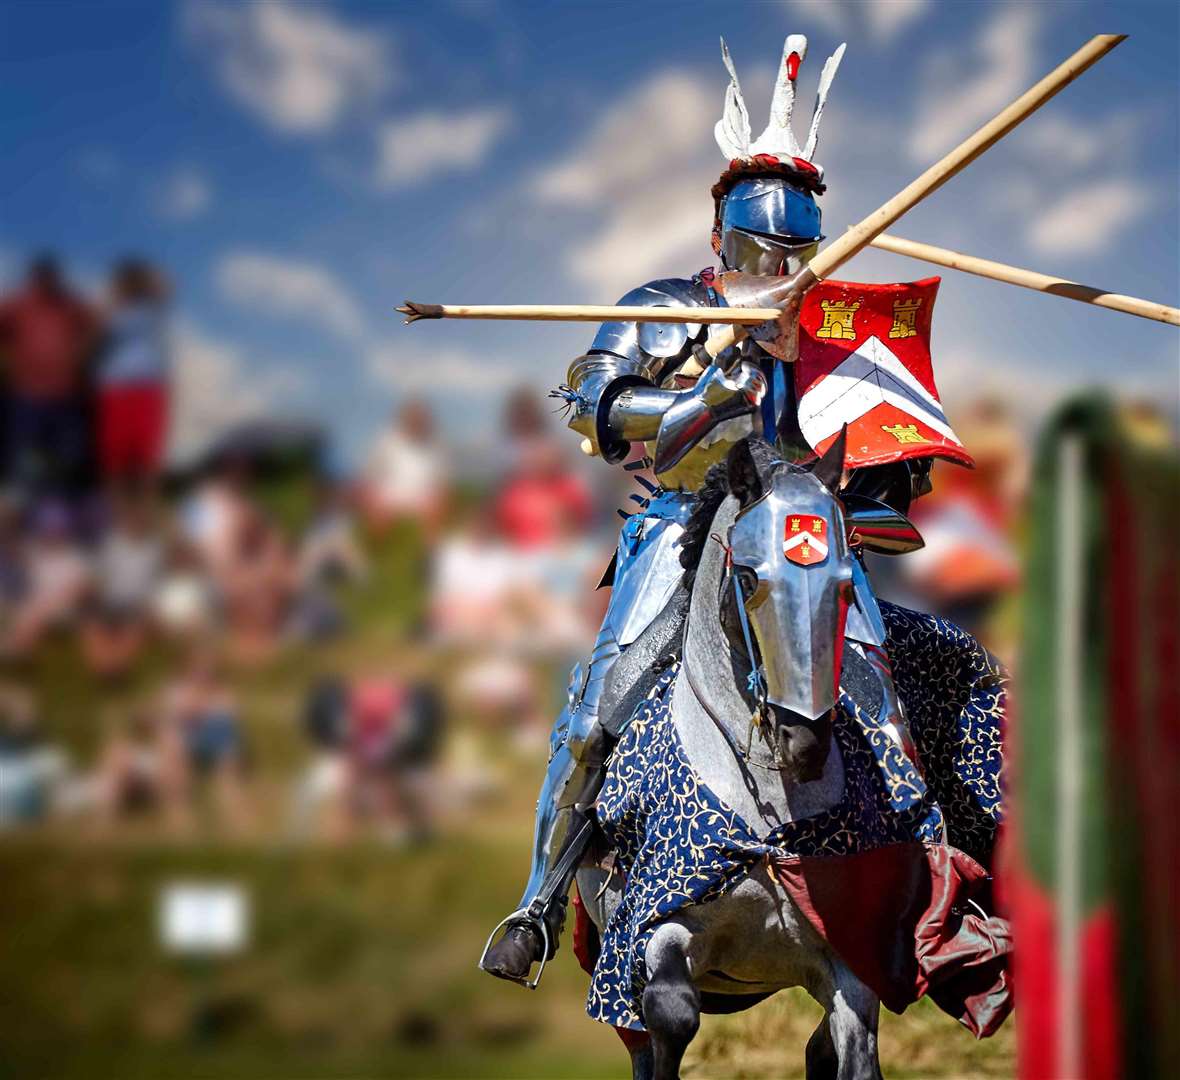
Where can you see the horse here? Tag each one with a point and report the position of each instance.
(764, 639)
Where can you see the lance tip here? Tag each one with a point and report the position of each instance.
(414, 311)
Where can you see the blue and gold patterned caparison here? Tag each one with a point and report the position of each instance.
(679, 844)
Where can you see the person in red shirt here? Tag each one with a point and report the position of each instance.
(543, 502)
(47, 334)
(133, 375)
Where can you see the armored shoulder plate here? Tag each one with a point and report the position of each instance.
(643, 342)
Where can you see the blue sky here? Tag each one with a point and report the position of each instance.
(301, 169)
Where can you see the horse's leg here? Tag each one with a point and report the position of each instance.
(844, 1046)
(642, 1060)
(821, 1059)
(671, 1003)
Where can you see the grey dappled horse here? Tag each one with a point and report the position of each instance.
(732, 951)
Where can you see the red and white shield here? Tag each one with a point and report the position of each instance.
(864, 361)
(805, 539)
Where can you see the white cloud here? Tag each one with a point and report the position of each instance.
(1090, 218)
(214, 387)
(399, 367)
(298, 68)
(830, 14)
(964, 88)
(184, 194)
(1057, 141)
(413, 148)
(660, 232)
(644, 169)
(646, 135)
(883, 19)
(293, 290)
(888, 18)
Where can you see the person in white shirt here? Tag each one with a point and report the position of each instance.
(406, 476)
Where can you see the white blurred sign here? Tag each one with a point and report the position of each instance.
(203, 917)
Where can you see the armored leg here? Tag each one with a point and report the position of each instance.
(579, 747)
(647, 573)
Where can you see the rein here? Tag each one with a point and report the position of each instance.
(755, 681)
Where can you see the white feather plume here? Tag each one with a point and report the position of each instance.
(733, 129)
(821, 98)
(779, 140)
(779, 136)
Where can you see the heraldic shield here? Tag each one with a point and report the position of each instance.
(805, 539)
(864, 361)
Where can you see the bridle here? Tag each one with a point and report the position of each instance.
(755, 681)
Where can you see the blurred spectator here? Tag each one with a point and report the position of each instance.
(473, 578)
(525, 427)
(13, 573)
(256, 582)
(329, 550)
(556, 591)
(394, 733)
(133, 375)
(141, 767)
(47, 335)
(407, 475)
(328, 555)
(970, 561)
(184, 605)
(414, 756)
(200, 709)
(542, 501)
(320, 798)
(128, 567)
(57, 575)
(30, 766)
(375, 706)
(211, 515)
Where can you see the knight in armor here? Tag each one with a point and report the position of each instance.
(653, 383)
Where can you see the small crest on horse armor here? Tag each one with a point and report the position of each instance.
(805, 539)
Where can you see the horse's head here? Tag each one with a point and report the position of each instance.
(789, 555)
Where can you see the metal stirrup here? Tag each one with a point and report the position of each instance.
(535, 914)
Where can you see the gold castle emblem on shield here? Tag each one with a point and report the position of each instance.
(905, 318)
(905, 433)
(838, 320)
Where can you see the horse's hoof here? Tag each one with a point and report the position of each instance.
(513, 955)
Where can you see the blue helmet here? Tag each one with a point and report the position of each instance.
(769, 225)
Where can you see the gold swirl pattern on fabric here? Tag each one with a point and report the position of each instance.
(678, 844)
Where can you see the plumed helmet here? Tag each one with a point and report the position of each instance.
(766, 217)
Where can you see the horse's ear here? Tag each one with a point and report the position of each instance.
(745, 481)
(830, 468)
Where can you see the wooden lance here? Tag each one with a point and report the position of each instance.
(1029, 279)
(827, 261)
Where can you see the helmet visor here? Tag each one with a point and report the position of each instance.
(765, 256)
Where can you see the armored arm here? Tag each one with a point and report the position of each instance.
(614, 391)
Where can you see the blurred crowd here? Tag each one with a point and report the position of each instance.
(157, 592)
(166, 593)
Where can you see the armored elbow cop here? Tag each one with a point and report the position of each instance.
(615, 403)
(596, 381)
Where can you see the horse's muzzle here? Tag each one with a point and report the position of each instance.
(803, 744)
